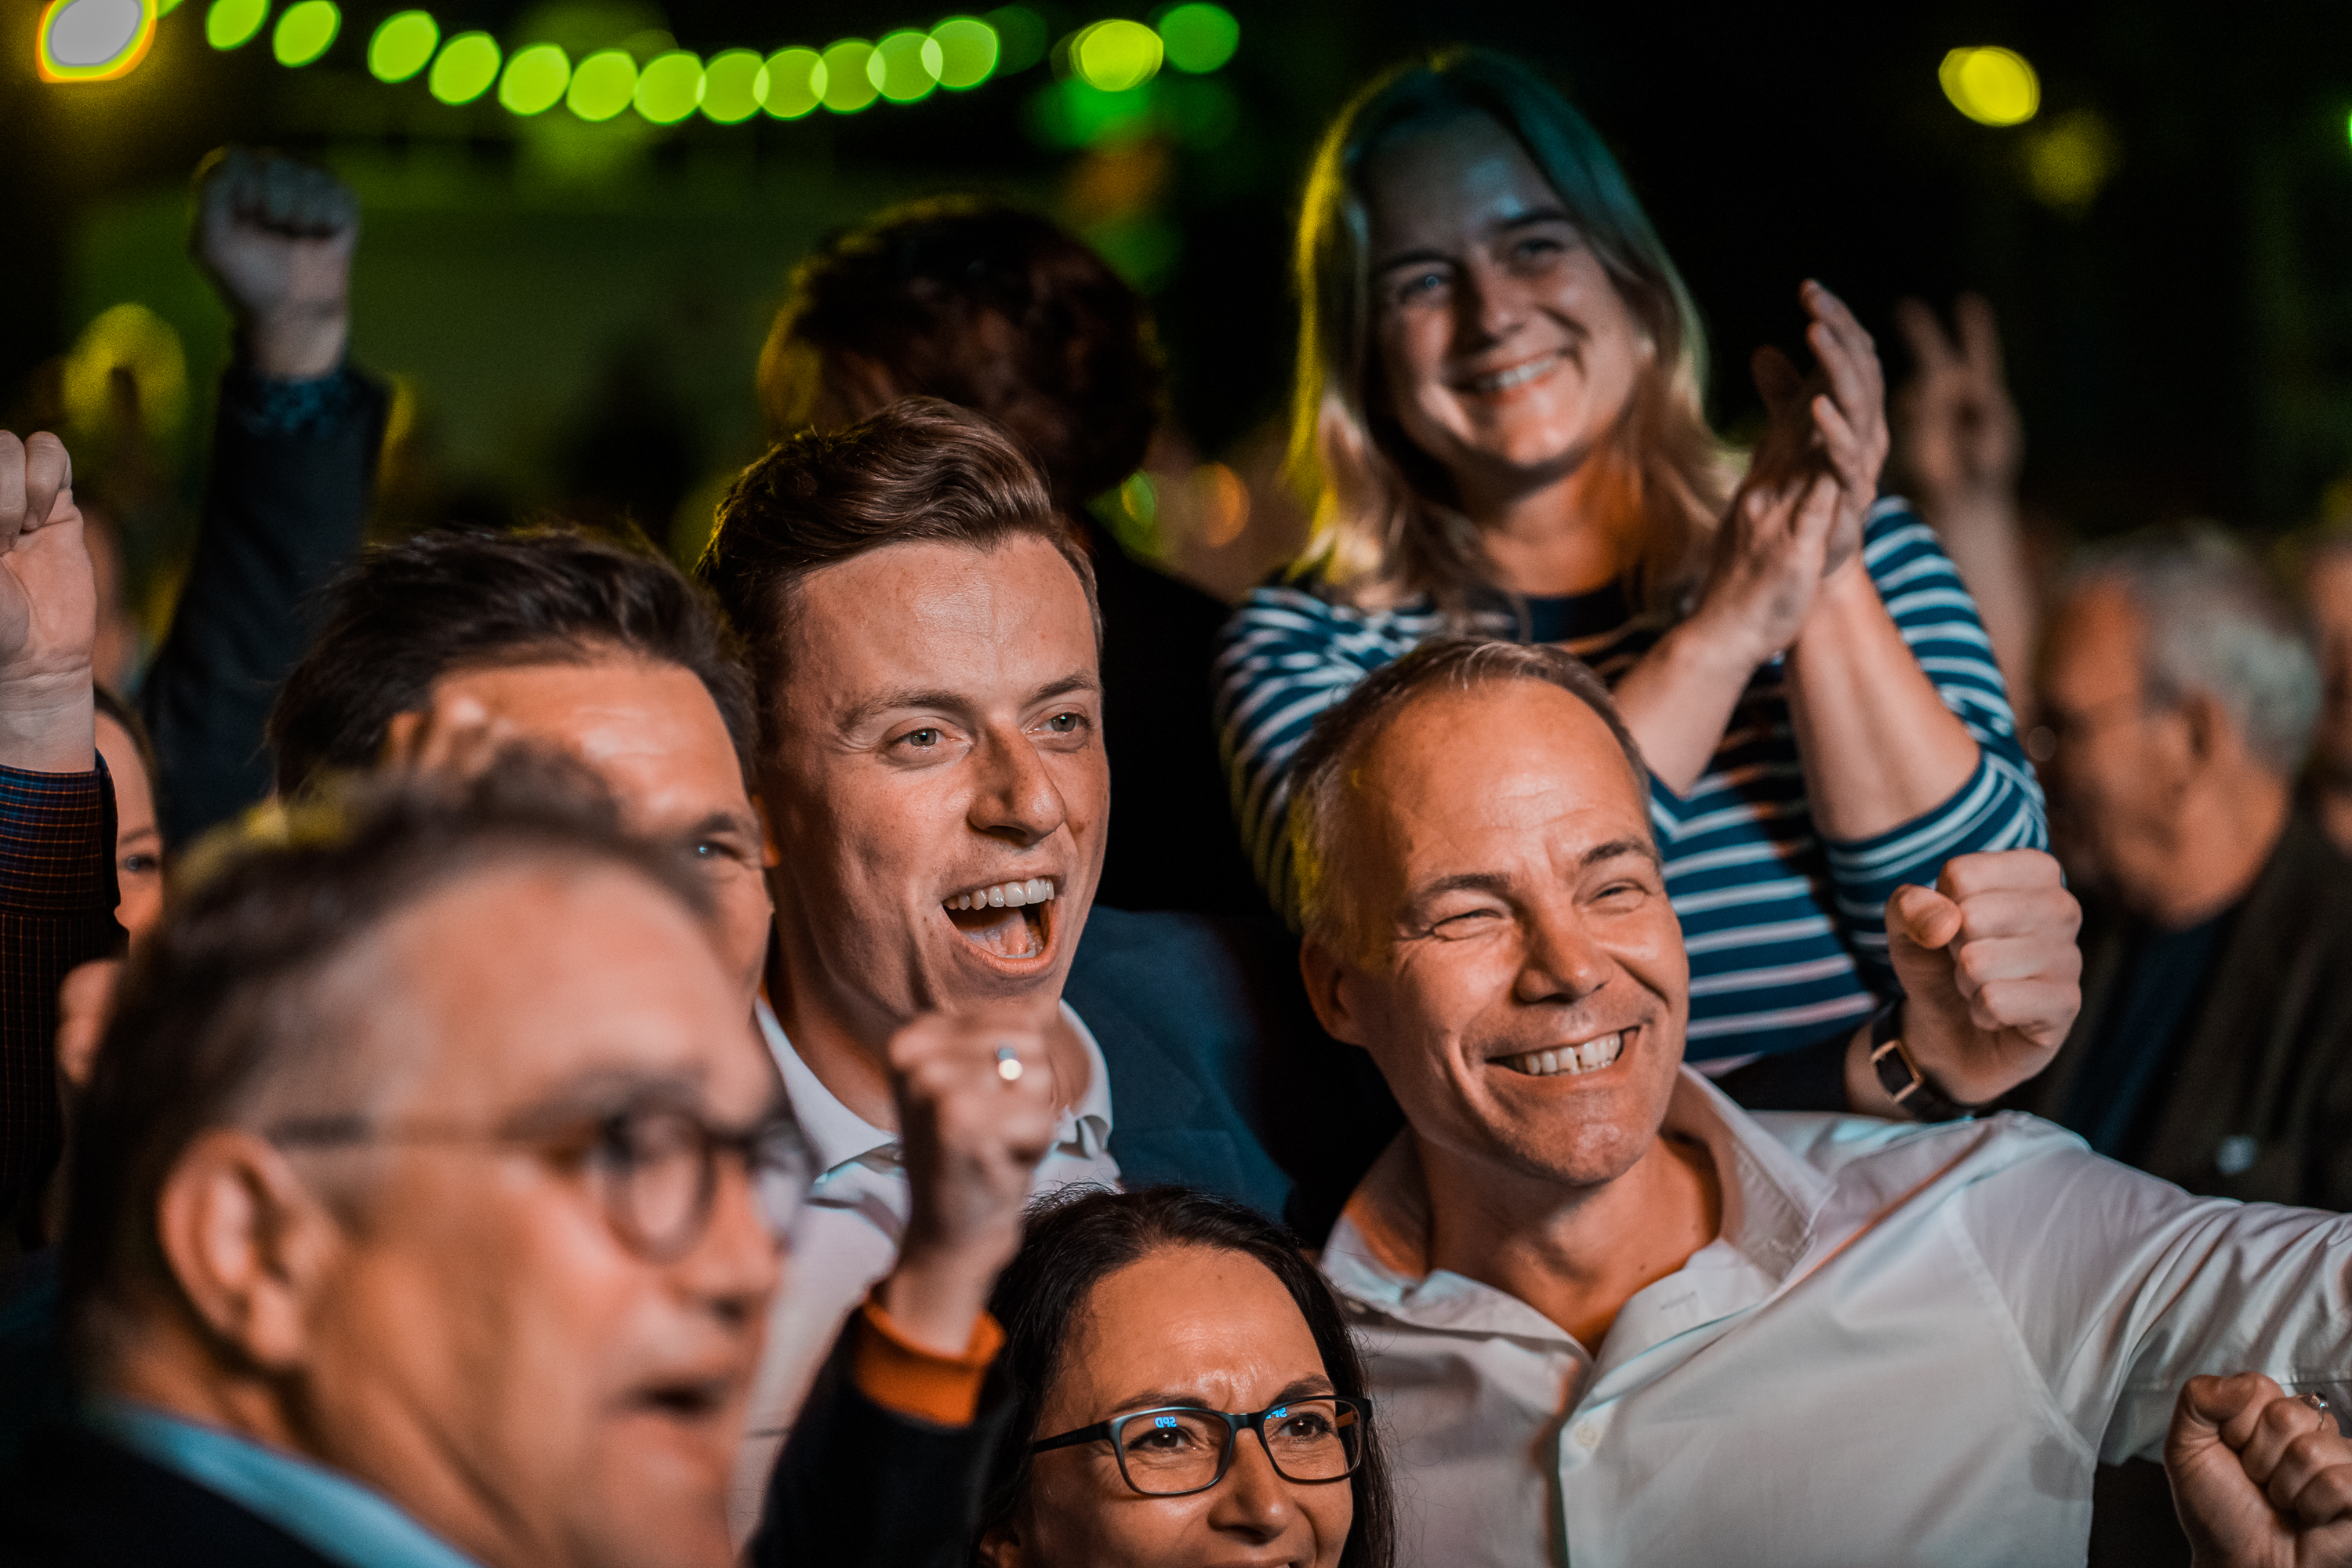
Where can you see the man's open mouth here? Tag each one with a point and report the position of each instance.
(1587, 1056)
(1006, 920)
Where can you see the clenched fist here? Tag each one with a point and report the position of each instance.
(2261, 1480)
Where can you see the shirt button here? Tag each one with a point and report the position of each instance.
(1586, 1434)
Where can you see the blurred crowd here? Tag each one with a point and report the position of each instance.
(1651, 999)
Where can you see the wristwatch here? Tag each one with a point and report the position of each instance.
(1900, 1077)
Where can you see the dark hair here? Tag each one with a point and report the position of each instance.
(408, 614)
(987, 306)
(921, 471)
(1075, 1239)
(122, 713)
(1321, 768)
(221, 1006)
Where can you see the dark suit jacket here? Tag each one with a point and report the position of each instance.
(1220, 1076)
(2265, 1065)
(82, 1501)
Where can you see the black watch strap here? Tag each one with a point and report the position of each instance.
(1900, 1077)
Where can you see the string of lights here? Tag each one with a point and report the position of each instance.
(100, 40)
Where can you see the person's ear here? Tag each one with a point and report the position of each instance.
(247, 1242)
(1001, 1548)
(1332, 991)
(772, 853)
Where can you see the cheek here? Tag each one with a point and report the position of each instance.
(1076, 1521)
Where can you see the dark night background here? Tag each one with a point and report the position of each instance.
(582, 335)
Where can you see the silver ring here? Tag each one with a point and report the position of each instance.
(1008, 1064)
(2318, 1402)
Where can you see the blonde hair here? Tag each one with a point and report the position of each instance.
(1383, 529)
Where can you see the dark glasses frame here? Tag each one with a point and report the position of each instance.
(1112, 1431)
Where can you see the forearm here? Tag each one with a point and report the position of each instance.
(1679, 699)
(49, 724)
(1878, 744)
(936, 1295)
(1981, 534)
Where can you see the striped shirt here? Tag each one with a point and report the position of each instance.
(1786, 930)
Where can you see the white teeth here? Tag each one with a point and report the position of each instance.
(1518, 376)
(1590, 1057)
(1006, 895)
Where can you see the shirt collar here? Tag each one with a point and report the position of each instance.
(839, 1136)
(333, 1515)
(1378, 1252)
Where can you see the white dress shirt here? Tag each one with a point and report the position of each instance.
(1909, 1345)
(847, 1236)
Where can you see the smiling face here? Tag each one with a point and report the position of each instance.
(1505, 352)
(484, 1346)
(1521, 978)
(938, 773)
(1182, 1326)
(654, 735)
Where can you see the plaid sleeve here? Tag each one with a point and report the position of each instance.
(56, 910)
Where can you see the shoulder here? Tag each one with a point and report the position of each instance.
(1873, 1162)
(81, 1500)
(1292, 615)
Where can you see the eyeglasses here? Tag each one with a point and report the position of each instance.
(1176, 1449)
(655, 1167)
(2058, 725)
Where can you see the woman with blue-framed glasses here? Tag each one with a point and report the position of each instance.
(1184, 1392)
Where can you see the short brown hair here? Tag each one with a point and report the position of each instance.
(991, 308)
(222, 1006)
(1324, 764)
(920, 472)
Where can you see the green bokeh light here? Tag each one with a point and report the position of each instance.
(304, 31)
(1117, 55)
(464, 69)
(905, 67)
(847, 88)
(401, 45)
(534, 80)
(1069, 113)
(602, 85)
(1199, 36)
(795, 84)
(1020, 38)
(669, 87)
(730, 87)
(967, 51)
(234, 22)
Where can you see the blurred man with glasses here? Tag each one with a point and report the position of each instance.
(429, 1197)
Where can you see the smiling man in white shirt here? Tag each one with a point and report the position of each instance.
(1614, 1318)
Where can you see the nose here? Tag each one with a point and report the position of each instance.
(1253, 1501)
(1489, 306)
(737, 1264)
(1559, 961)
(1017, 799)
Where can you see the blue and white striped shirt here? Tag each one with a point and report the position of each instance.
(1786, 930)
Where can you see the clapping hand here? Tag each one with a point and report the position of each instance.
(48, 612)
(1798, 518)
(1961, 435)
(1991, 977)
(277, 236)
(2261, 1480)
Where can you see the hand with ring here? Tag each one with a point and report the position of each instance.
(2262, 1479)
(976, 1114)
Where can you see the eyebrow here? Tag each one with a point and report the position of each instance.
(723, 821)
(1315, 1387)
(944, 701)
(1507, 226)
(1496, 883)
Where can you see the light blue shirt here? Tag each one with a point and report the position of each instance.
(331, 1514)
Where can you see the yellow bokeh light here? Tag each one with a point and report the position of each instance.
(305, 31)
(1117, 55)
(793, 83)
(905, 67)
(534, 80)
(231, 23)
(669, 87)
(464, 69)
(847, 88)
(1991, 86)
(93, 40)
(602, 85)
(134, 340)
(730, 87)
(401, 46)
(966, 51)
(2071, 162)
